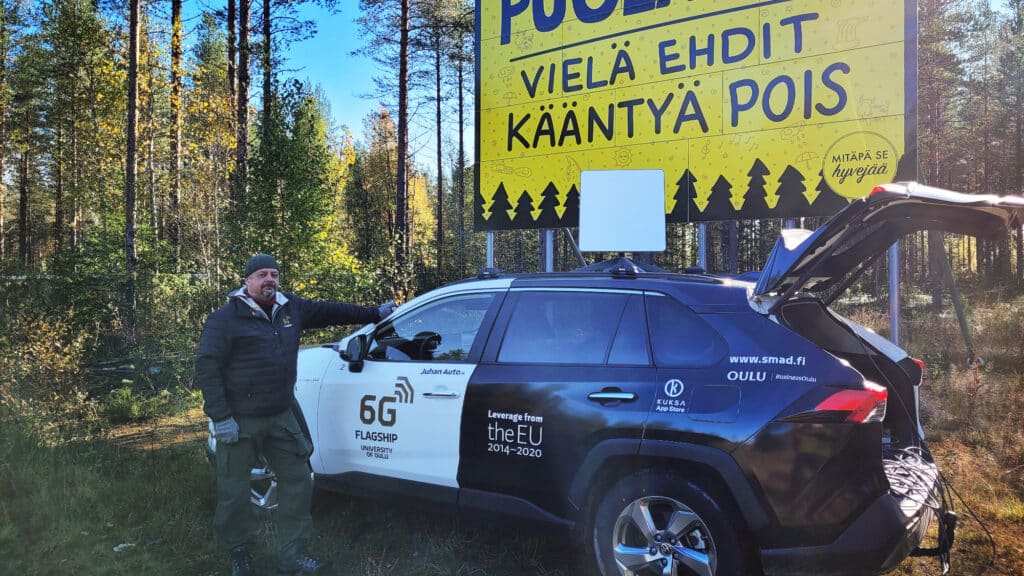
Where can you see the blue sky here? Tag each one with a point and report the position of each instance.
(326, 60)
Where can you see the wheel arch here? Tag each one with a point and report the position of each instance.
(713, 469)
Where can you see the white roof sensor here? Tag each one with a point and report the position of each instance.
(622, 211)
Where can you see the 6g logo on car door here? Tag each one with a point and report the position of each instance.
(387, 417)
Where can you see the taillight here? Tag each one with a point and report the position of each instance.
(920, 364)
(876, 190)
(857, 405)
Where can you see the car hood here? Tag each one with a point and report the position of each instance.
(852, 239)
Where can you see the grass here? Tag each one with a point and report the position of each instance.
(147, 491)
(974, 423)
(69, 500)
(64, 508)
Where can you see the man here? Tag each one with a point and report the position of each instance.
(245, 367)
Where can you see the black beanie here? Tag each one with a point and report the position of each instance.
(259, 262)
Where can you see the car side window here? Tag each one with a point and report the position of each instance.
(442, 331)
(566, 327)
(630, 344)
(679, 337)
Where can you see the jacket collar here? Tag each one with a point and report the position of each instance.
(240, 295)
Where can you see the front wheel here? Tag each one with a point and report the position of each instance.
(263, 487)
(653, 522)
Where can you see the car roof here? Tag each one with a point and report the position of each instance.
(694, 289)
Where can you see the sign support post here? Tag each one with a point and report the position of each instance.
(894, 293)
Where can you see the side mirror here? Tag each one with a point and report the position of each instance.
(355, 353)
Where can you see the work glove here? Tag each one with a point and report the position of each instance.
(226, 431)
(387, 308)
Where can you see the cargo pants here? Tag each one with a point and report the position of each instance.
(281, 441)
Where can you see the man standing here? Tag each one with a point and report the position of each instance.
(246, 368)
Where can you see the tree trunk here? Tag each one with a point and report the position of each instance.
(462, 176)
(4, 49)
(76, 183)
(232, 72)
(58, 191)
(175, 216)
(936, 267)
(131, 169)
(440, 166)
(734, 240)
(24, 235)
(401, 219)
(242, 108)
(267, 64)
(150, 131)
(1019, 145)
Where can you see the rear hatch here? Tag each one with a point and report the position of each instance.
(832, 256)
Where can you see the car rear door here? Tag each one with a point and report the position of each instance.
(399, 416)
(563, 370)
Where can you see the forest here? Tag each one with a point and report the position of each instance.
(138, 175)
(130, 164)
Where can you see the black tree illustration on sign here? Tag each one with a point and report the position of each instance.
(571, 216)
(756, 203)
(720, 207)
(685, 209)
(500, 206)
(828, 202)
(524, 209)
(791, 194)
(479, 222)
(549, 202)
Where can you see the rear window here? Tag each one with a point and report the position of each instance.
(569, 327)
(679, 337)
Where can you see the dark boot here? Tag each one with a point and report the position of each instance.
(302, 564)
(241, 562)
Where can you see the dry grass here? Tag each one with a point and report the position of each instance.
(974, 422)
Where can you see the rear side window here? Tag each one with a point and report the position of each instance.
(678, 335)
(562, 327)
(630, 344)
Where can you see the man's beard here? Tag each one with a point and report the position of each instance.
(267, 291)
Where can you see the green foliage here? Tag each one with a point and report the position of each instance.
(41, 379)
(122, 405)
(296, 179)
(126, 404)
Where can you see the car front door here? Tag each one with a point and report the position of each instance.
(399, 416)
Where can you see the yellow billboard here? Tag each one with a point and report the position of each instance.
(779, 108)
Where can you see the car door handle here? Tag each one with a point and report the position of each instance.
(611, 396)
(440, 395)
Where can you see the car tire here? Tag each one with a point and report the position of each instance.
(652, 518)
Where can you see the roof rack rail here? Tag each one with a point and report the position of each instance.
(484, 273)
(620, 267)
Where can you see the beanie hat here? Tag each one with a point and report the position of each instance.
(259, 262)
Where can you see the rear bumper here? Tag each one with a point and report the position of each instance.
(875, 543)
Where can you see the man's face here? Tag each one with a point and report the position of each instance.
(262, 285)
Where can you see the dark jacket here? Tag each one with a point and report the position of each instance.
(246, 361)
